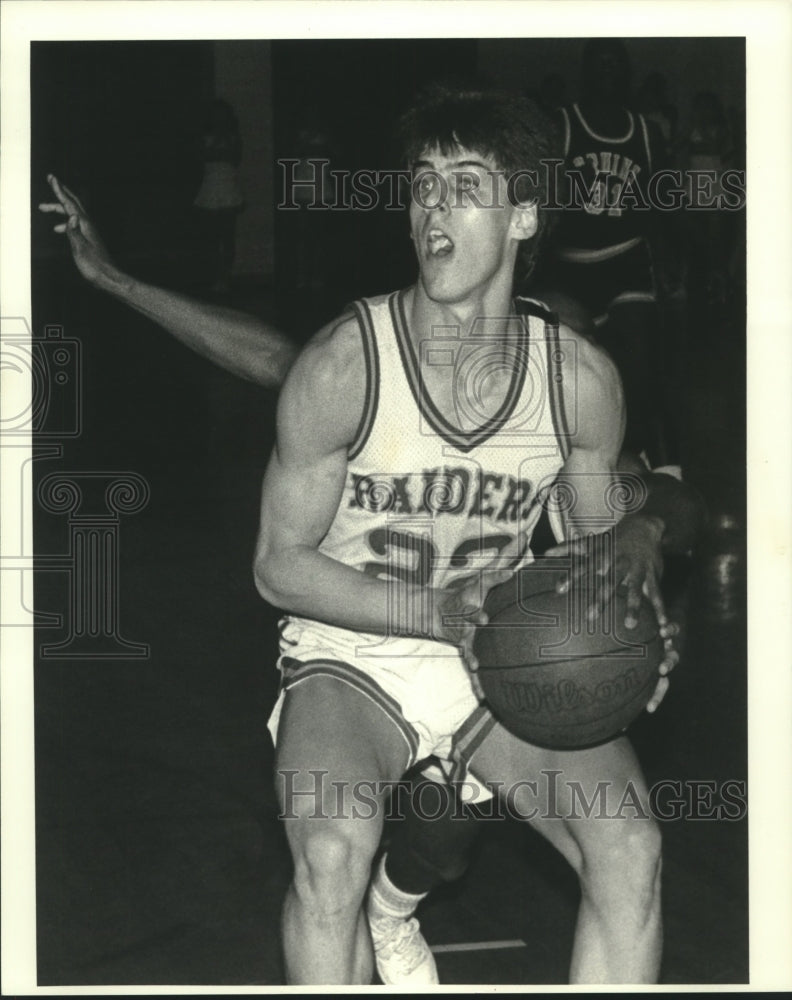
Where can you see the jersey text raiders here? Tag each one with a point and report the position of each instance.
(426, 502)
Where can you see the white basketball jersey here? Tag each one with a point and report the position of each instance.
(427, 502)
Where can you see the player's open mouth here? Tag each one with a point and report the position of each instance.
(438, 244)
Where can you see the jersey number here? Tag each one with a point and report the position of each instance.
(414, 558)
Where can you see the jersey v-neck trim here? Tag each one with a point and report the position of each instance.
(464, 441)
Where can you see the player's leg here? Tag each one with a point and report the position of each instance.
(434, 839)
(335, 749)
(592, 806)
(431, 844)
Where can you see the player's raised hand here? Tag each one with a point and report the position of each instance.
(629, 557)
(89, 252)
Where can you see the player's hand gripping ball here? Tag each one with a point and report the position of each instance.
(556, 679)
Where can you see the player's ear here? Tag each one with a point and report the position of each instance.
(525, 221)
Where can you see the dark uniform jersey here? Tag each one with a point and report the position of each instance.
(601, 256)
(606, 177)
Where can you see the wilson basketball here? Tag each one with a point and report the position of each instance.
(553, 678)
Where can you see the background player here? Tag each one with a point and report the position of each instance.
(608, 246)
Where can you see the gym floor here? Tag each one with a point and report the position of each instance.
(159, 856)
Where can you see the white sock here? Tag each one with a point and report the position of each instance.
(386, 901)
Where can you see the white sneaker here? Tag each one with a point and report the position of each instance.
(402, 955)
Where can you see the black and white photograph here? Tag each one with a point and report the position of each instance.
(391, 395)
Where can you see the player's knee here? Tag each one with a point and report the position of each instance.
(331, 867)
(626, 859)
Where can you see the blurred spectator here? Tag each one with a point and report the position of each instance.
(654, 104)
(708, 146)
(219, 199)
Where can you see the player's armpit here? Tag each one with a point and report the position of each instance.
(318, 416)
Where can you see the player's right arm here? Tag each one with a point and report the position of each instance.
(319, 411)
(242, 344)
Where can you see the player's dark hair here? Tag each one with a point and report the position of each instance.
(510, 129)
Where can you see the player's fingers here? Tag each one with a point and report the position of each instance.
(604, 565)
(478, 690)
(73, 197)
(634, 597)
(60, 229)
(48, 206)
(60, 194)
(669, 630)
(652, 592)
(574, 548)
(573, 576)
(670, 660)
(658, 695)
(600, 601)
(472, 664)
(466, 649)
(66, 197)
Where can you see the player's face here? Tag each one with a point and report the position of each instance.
(465, 232)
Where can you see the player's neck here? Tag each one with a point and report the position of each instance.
(491, 305)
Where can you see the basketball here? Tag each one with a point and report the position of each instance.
(553, 678)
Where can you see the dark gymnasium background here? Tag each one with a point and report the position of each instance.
(159, 856)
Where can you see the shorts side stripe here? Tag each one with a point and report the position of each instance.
(296, 671)
(468, 738)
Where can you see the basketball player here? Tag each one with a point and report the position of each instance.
(394, 499)
(607, 244)
(175, 314)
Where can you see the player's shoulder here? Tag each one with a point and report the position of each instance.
(332, 357)
(584, 358)
(325, 387)
(595, 366)
(592, 394)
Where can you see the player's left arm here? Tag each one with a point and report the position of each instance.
(243, 344)
(678, 505)
(614, 536)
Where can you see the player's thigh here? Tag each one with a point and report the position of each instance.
(585, 802)
(337, 751)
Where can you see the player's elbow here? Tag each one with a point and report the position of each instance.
(274, 366)
(267, 575)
